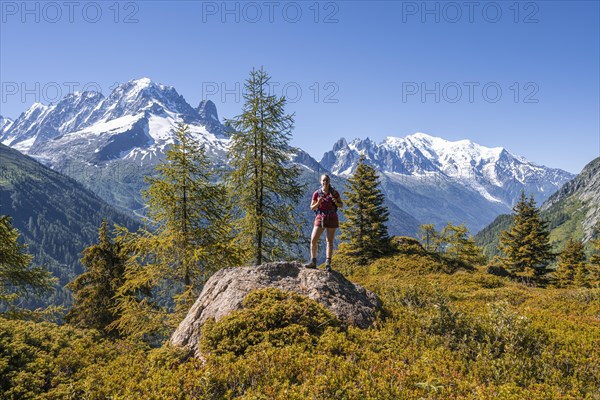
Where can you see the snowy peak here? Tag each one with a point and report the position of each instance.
(340, 144)
(89, 113)
(139, 95)
(5, 124)
(362, 145)
(494, 173)
(207, 110)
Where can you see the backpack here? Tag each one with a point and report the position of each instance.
(332, 191)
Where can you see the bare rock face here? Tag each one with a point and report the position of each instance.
(226, 289)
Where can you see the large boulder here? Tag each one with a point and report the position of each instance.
(226, 289)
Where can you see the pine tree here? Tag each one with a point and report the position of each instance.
(17, 276)
(94, 291)
(366, 216)
(192, 237)
(526, 244)
(571, 265)
(262, 180)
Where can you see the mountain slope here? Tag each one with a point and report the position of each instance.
(5, 123)
(437, 181)
(110, 144)
(572, 212)
(57, 216)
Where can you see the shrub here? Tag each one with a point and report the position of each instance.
(267, 316)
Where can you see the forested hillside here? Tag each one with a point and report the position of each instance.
(56, 216)
(572, 213)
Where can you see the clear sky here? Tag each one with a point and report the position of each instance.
(522, 75)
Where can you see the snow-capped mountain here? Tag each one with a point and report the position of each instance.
(437, 180)
(134, 122)
(110, 143)
(5, 123)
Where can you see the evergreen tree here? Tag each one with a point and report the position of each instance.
(192, 237)
(430, 238)
(594, 264)
(94, 291)
(366, 216)
(459, 245)
(526, 244)
(17, 276)
(571, 265)
(262, 179)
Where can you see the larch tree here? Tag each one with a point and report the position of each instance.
(365, 227)
(430, 238)
(459, 245)
(192, 237)
(263, 181)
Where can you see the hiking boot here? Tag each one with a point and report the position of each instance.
(328, 268)
(312, 264)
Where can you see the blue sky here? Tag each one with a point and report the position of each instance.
(522, 75)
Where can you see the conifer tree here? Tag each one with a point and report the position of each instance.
(94, 291)
(366, 216)
(459, 245)
(594, 264)
(263, 181)
(17, 276)
(193, 236)
(526, 244)
(430, 238)
(571, 265)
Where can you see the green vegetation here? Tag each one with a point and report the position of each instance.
(263, 182)
(94, 291)
(445, 332)
(526, 244)
(269, 317)
(17, 275)
(56, 217)
(453, 242)
(365, 228)
(571, 269)
(193, 237)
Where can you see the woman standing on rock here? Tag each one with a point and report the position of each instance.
(325, 203)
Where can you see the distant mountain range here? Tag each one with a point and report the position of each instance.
(573, 212)
(110, 143)
(437, 181)
(56, 216)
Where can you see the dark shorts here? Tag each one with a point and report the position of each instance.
(329, 220)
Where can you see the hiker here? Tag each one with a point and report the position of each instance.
(325, 203)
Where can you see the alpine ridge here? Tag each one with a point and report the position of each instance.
(110, 143)
(437, 180)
